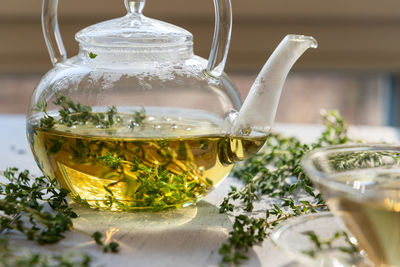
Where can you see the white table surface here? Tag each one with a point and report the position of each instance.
(184, 237)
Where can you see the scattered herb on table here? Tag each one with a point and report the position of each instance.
(11, 257)
(112, 246)
(24, 208)
(266, 175)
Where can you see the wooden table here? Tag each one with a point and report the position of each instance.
(184, 237)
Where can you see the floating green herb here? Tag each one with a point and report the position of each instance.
(111, 165)
(155, 186)
(92, 55)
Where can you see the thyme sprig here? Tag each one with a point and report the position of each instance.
(329, 243)
(363, 160)
(155, 186)
(275, 174)
(92, 55)
(24, 208)
(144, 174)
(11, 257)
(38, 209)
(74, 114)
(112, 246)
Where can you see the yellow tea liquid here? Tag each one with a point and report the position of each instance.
(162, 163)
(374, 222)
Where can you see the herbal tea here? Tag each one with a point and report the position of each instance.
(122, 161)
(375, 223)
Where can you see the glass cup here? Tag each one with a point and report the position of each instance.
(291, 236)
(361, 184)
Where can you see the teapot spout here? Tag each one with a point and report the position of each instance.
(259, 109)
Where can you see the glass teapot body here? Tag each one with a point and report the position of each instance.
(166, 115)
(136, 125)
(114, 78)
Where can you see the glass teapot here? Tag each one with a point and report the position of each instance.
(136, 121)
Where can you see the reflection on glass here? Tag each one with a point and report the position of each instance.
(362, 185)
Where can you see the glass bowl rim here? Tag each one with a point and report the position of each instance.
(282, 227)
(287, 225)
(321, 178)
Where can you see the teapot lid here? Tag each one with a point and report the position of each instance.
(135, 31)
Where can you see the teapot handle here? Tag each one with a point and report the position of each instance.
(218, 54)
(51, 31)
(222, 37)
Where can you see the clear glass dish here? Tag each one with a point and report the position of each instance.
(291, 237)
(361, 184)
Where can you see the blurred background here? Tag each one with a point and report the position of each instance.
(355, 69)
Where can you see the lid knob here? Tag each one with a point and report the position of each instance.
(135, 6)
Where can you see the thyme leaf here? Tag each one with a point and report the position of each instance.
(323, 244)
(150, 174)
(156, 187)
(24, 208)
(110, 247)
(75, 114)
(266, 175)
(92, 55)
(11, 257)
(138, 118)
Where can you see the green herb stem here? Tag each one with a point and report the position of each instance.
(266, 175)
